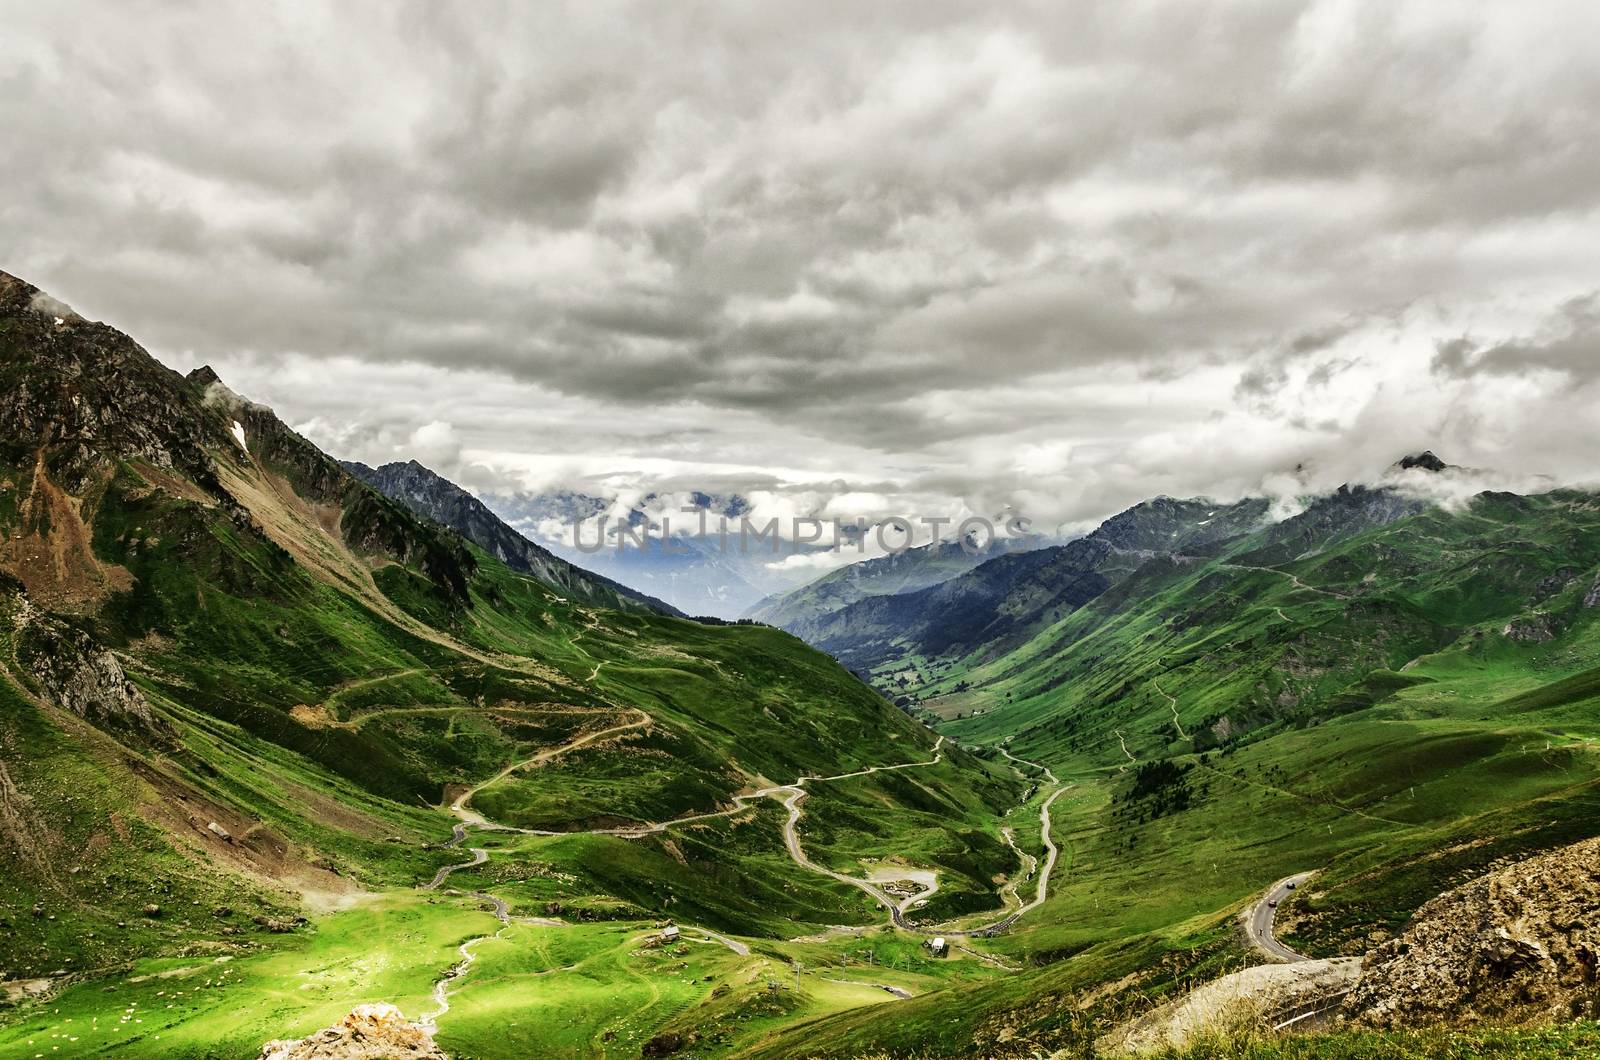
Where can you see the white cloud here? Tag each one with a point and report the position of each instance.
(922, 258)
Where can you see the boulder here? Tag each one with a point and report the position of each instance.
(1519, 945)
(370, 1032)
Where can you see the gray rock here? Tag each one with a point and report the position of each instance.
(77, 673)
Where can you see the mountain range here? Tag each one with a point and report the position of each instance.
(281, 738)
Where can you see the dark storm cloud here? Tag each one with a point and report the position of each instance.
(815, 227)
(1569, 344)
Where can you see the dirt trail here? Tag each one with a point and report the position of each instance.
(1172, 704)
(360, 720)
(1293, 579)
(1124, 743)
(459, 806)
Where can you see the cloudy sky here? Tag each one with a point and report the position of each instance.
(851, 258)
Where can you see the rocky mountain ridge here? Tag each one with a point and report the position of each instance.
(434, 497)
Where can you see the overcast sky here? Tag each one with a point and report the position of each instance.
(849, 257)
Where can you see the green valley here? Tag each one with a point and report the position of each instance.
(275, 745)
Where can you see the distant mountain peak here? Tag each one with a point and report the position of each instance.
(1424, 461)
(205, 375)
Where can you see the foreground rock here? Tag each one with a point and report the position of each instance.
(1259, 998)
(1520, 945)
(371, 1032)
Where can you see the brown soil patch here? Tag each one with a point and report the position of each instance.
(51, 552)
(172, 483)
(249, 848)
(316, 717)
(333, 812)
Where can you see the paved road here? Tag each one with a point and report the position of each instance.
(1258, 923)
(479, 856)
(733, 944)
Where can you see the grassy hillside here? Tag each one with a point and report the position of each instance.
(1399, 711)
(272, 746)
(239, 690)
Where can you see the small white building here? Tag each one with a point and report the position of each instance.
(937, 946)
(669, 933)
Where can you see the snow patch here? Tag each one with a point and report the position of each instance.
(238, 435)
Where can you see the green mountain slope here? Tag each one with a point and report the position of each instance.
(241, 686)
(1002, 602)
(272, 746)
(1409, 702)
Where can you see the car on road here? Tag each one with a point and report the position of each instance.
(1289, 886)
(1272, 903)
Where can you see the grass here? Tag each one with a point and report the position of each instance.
(207, 1004)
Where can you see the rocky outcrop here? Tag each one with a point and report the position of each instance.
(1519, 945)
(1261, 997)
(77, 673)
(1424, 461)
(88, 395)
(1593, 599)
(371, 1032)
(1530, 629)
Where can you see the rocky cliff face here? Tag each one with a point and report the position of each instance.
(1518, 945)
(77, 398)
(1166, 525)
(87, 395)
(77, 673)
(1348, 511)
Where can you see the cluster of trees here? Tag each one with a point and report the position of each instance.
(1158, 788)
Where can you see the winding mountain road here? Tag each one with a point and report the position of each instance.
(1259, 920)
(479, 856)
(792, 796)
